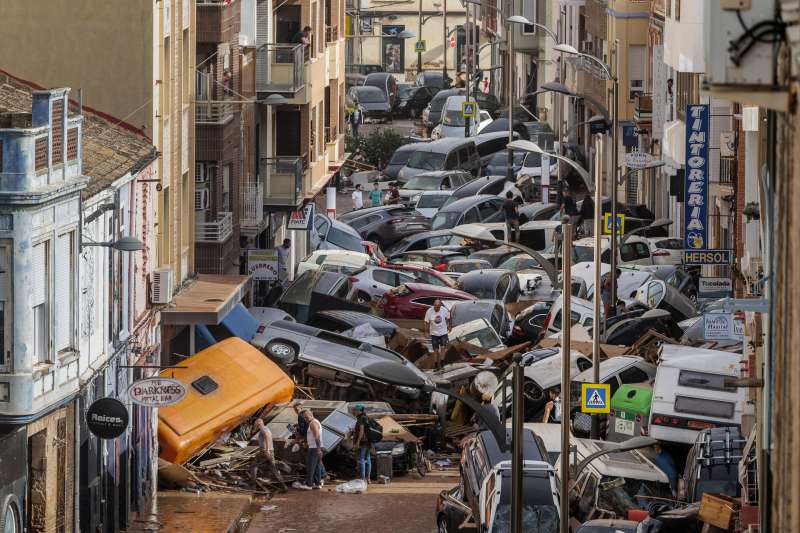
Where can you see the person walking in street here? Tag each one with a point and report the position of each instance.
(375, 195)
(437, 325)
(558, 240)
(266, 453)
(552, 409)
(356, 119)
(394, 194)
(361, 443)
(512, 217)
(587, 216)
(358, 198)
(314, 454)
(283, 261)
(570, 209)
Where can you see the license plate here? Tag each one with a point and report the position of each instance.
(626, 427)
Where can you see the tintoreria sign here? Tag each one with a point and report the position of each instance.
(697, 168)
(156, 392)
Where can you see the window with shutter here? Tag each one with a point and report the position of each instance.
(64, 278)
(58, 132)
(41, 153)
(636, 70)
(5, 288)
(39, 297)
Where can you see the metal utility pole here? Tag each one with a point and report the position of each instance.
(614, 181)
(566, 379)
(467, 55)
(598, 303)
(445, 44)
(510, 82)
(517, 420)
(559, 101)
(419, 38)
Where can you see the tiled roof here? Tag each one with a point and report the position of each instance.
(110, 151)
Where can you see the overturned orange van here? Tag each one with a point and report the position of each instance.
(226, 384)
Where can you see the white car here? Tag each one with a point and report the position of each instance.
(343, 261)
(634, 251)
(453, 122)
(429, 202)
(666, 250)
(478, 332)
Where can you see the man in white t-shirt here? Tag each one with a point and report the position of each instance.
(437, 325)
(358, 198)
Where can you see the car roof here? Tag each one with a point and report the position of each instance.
(472, 186)
(378, 75)
(436, 289)
(630, 465)
(689, 357)
(355, 317)
(500, 250)
(462, 204)
(483, 276)
(530, 448)
(608, 367)
(446, 144)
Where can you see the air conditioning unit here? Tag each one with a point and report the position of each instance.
(200, 199)
(163, 283)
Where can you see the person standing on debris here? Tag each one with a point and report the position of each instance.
(375, 195)
(266, 452)
(512, 217)
(552, 409)
(314, 454)
(358, 198)
(587, 216)
(437, 325)
(283, 260)
(362, 444)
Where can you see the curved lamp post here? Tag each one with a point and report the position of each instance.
(123, 244)
(400, 375)
(528, 146)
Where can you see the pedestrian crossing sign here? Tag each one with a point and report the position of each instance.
(469, 109)
(595, 398)
(419, 47)
(607, 223)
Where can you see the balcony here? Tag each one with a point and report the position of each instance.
(643, 109)
(331, 133)
(251, 209)
(280, 68)
(218, 231)
(218, 21)
(282, 179)
(213, 112)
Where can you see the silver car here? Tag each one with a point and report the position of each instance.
(372, 282)
(292, 344)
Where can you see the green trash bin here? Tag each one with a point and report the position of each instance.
(630, 411)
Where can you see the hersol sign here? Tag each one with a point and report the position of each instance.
(156, 392)
(707, 257)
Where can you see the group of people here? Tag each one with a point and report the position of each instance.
(375, 196)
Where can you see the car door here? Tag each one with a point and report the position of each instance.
(332, 351)
(451, 163)
(490, 210)
(382, 280)
(471, 216)
(501, 289)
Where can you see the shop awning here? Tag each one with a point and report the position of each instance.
(206, 300)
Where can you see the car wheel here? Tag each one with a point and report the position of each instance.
(283, 351)
(442, 525)
(363, 298)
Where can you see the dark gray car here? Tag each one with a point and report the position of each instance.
(420, 241)
(495, 256)
(386, 225)
(293, 344)
(400, 158)
(481, 208)
(493, 284)
(373, 101)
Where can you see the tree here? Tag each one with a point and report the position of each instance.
(376, 147)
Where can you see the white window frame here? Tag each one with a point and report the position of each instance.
(6, 269)
(530, 9)
(41, 311)
(64, 312)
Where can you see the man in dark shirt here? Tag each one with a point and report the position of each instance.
(587, 215)
(570, 208)
(512, 217)
(303, 37)
(394, 194)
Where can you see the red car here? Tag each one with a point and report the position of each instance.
(424, 275)
(412, 300)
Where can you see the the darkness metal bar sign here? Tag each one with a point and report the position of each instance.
(696, 197)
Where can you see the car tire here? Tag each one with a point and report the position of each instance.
(363, 298)
(283, 351)
(441, 525)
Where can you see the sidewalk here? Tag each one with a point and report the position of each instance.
(198, 513)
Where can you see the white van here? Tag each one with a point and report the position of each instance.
(689, 393)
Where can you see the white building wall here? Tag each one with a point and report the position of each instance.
(683, 39)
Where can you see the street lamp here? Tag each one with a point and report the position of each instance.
(123, 244)
(401, 375)
(614, 78)
(528, 146)
(274, 100)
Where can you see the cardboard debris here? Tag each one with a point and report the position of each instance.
(392, 430)
(606, 350)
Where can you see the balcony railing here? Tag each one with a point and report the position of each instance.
(280, 68)
(213, 111)
(331, 132)
(643, 111)
(282, 179)
(251, 206)
(331, 34)
(220, 230)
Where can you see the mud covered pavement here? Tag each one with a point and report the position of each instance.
(406, 505)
